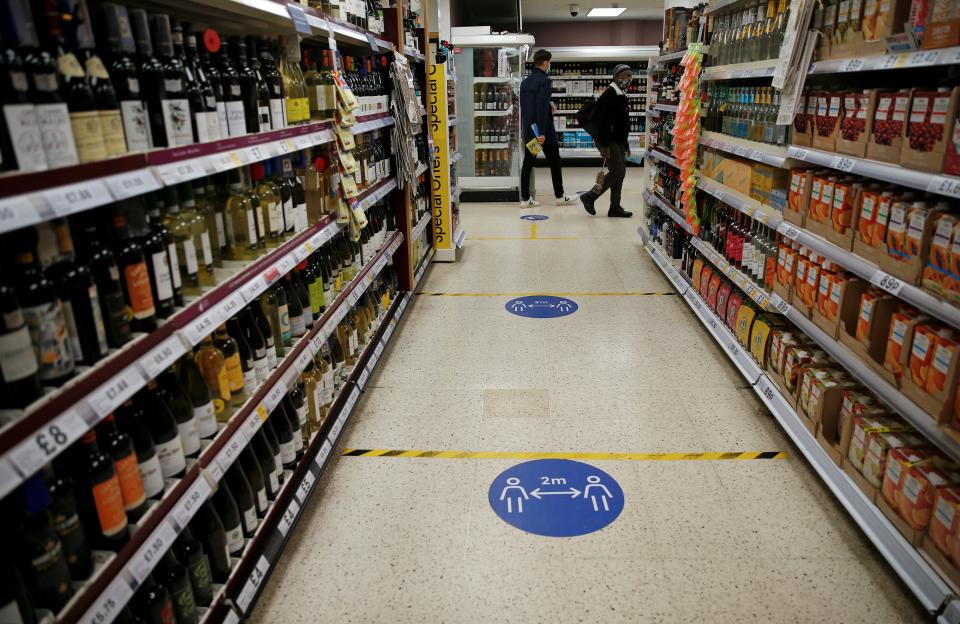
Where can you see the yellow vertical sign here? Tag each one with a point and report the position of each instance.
(440, 196)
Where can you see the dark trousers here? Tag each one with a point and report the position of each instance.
(617, 166)
(552, 152)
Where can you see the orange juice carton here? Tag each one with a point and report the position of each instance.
(933, 363)
(899, 463)
(900, 338)
(811, 283)
(796, 359)
(937, 275)
(929, 129)
(908, 239)
(798, 195)
(882, 18)
(952, 286)
(786, 264)
(846, 194)
(918, 490)
(857, 122)
(889, 125)
(863, 426)
(944, 528)
(879, 445)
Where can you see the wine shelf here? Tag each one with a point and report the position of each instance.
(756, 69)
(376, 121)
(421, 226)
(493, 113)
(422, 169)
(372, 195)
(656, 154)
(424, 265)
(760, 152)
(108, 592)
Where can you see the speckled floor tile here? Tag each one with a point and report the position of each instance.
(518, 403)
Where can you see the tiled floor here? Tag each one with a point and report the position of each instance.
(415, 540)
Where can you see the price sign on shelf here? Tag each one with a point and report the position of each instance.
(162, 356)
(944, 185)
(929, 57)
(364, 376)
(47, 442)
(324, 453)
(843, 163)
(174, 173)
(258, 153)
(224, 161)
(131, 183)
(853, 65)
(286, 521)
(121, 387)
(378, 350)
(200, 327)
(788, 230)
(190, 502)
(254, 581)
(889, 283)
(797, 152)
(760, 215)
(149, 555)
(779, 304)
(252, 289)
(110, 602)
(275, 395)
(231, 451)
(303, 141)
(71, 198)
(16, 213)
(303, 490)
(229, 306)
(337, 426)
(764, 388)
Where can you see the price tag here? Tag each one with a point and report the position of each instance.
(378, 350)
(304, 359)
(779, 304)
(258, 153)
(761, 299)
(110, 602)
(302, 141)
(252, 424)
(764, 388)
(121, 387)
(286, 521)
(373, 43)
(149, 555)
(190, 502)
(299, 19)
(324, 453)
(757, 155)
(337, 427)
(843, 163)
(760, 215)
(250, 588)
(224, 161)
(229, 306)
(929, 57)
(131, 183)
(231, 617)
(47, 442)
(364, 376)
(299, 253)
(174, 173)
(740, 150)
(889, 283)
(303, 490)
(389, 331)
(252, 289)
(162, 356)
(17, 213)
(788, 230)
(943, 185)
(202, 326)
(275, 395)
(797, 152)
(853, 65)
(286, 264)
(734, 349)
(262, 412)
(71, 198)
(231, 451)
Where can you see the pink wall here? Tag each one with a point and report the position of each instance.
(610, 33)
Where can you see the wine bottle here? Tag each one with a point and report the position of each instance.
(66, 522)
(19, 371)
(163, 429)
(254, 473)
(275, 299)
(123, 73)
(21, 146)
(208, 529)
(299, 284)
(150, 78)
(119, 446)
(298, 403)
(153, 604)
(130, 420)
(211, 44)
(271, 75)
(271, 214)
(263, 91)
(298, 321)
(199, 233)
(266, 330)
(270, 435)
(203, 102)
(101, 500)
(247, 364)
(186, 247)
(179, 404)
(174, 577)
(81, 308)
(161, 253)
(243, 240)
(281, 424)
(232, 93)
(106, 275)
(258, 346)
(248, 85)
(244, 496)
(175, 105)
(268, 464)
(137, 292)
(39, 548)
(190, 554)
(226, 505)
(216, 229)
(232, 364)
(212, 364)
(201, 400)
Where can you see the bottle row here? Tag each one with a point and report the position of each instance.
(595, 86)
(66, 308)
(90, 497)
(492, 97)
(366, 14)
(667, 91)
(600, 70)
(493, 162)
(493, 129)
(83, 87)
(750, 31)
(744, 112)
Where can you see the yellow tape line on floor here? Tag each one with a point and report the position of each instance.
(594, 456)
(566, 294)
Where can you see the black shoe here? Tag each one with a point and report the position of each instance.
(619, 212)
(587, 202)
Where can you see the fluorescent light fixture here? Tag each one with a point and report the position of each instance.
(605, 12)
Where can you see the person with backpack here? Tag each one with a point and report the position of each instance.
(535, 109)
(608, 122)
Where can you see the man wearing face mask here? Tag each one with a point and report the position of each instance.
(612, 130)
(536, 108)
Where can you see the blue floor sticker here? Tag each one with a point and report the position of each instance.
(534, 217)
(541, 306)
(556, 497)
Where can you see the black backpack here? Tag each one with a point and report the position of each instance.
(587, 118)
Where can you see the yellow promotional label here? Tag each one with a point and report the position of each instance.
(440, 191)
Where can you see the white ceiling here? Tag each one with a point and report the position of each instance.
(559, 10)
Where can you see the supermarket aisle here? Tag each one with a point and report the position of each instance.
(415, 540)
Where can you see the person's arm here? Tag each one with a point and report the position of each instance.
(544, 118)
(604, 123)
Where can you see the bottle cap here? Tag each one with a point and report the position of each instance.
(116, 23)
(162, 36)
(256, 172)
(211, 40)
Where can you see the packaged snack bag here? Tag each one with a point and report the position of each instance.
(712, 290)
(723, 295)
(899, 462)
(733, 308)
(945, 524)
(920, 484)
(879, 445)
(796, 359)
(863, 426)
(705, 277)
(781, 340)
(698, 265)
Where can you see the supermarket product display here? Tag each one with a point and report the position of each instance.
(817, 249)
(206, 251)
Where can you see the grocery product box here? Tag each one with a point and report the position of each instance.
(882, 19)
(940, 274)
(930, 379)
(838, 304)
(737, 175)
(745, 318)
(943, 25)
(857, 122)
(929, 128)
(798, 196)
(899, 340)
(941, 544)
(827, 121)
(786, 268)
(909, 533)
(889, 125)
(900, 462)
(909, 234)
(872, 218)
(820, 204)
(733, 309)
(760, 336)
(868, 490)
(803, 121)
(879, 446)
(865, 326)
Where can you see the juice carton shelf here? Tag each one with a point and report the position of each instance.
(929, 588)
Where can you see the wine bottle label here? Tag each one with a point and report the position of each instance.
(297, 441)
(170, 454)
(174, 266)
(271, 356)
(298, 326)
(222, 120)
(234, 370)
(206, 417)
(221, 233)
(69, 66)
(208, 127)
(108, 499)
(328, 381)
(328, 294)
(262, 502)
(223, 383)
(316, 297)
(173, 86)
(207, 249)
(177, 122)
(278, 469)
(24, 130)
(264, 114)
(49, 335)
(293, 114)
(252, 227)
(151, 476)
(131, 486)
(261, 368)
(288, 452)
(354, 342)
(250, 382)
(47, 558)
(189, 263)
(200, 575)
(88, 136)
(112, 127)
(17, 359)
(189, 436)
(302, 414)
(288, 224)
(250, 520)
(261, 222)
(236, 119)
(283, 313)
(135, 126)
(276, 114)
(275, 217)
(185, 604)
(161, 273)
(274, 482)
(72, 333)
(300, 216)
(235, 539)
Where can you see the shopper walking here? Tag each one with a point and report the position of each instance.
(536, 109)
(611, 120)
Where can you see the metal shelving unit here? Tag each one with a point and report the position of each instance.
(760, 152)
(656, 154)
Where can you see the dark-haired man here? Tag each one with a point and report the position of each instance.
(536, 109)
(613, 129)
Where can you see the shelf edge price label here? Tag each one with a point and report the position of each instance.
(887, 282)
(162, 356)
(337, 426)
(176, 172)
(324, 453)
(943, 185)
(252, 289)
(131, 183)
(302, 141)
(779, 304)
(764, 389)
(256, 578)
(275, 395)
(797, 152)
(230, 451)
(223, 161)
(788, 230)
(389, 331)
(853, 65)
(188, 504)
(286, 521)
(230, 306)
(761, 216)
(364, 376)
(843, 163)
(110, 602)
(71, 198)
(47, 442)
(149, 555)
(16, 213)
(200, 327)
(262, 412)
(121, 387)
(303, 490)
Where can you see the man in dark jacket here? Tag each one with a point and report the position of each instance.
(535, 107)
(613, 128)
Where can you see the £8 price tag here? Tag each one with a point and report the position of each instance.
(887, 282)
(162, 356)
(47, 442)
(286, 521)
(943, 185)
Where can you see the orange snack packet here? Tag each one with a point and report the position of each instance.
(899, 326)
(936, 273)
(943, 354)
(920, 484)
(868, 216)
(945, 523)
(899, 462)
